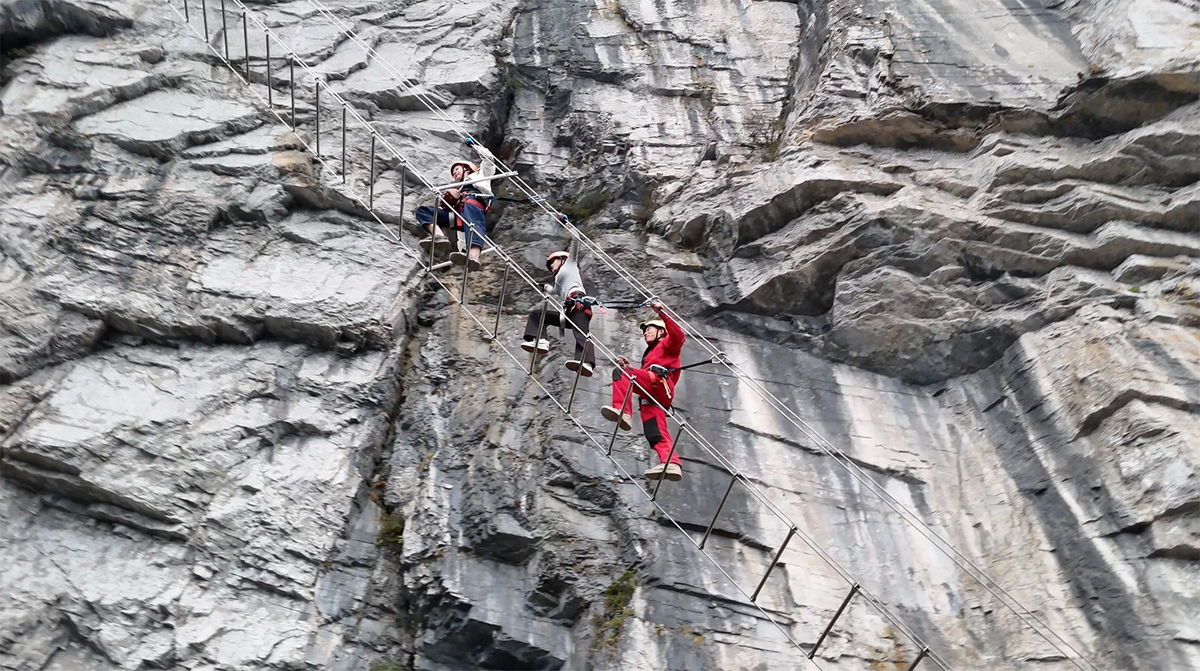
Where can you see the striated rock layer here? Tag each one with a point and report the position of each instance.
(241, 429)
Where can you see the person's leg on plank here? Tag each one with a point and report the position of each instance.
(474, 228)
(580, 321)
(532, 338)
(654, 424)
(623, 380)
(433, 220)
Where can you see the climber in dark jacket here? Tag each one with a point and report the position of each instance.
(655, 381)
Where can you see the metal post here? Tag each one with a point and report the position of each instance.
(713, 523)
(433, 228)
(403, 188)
(343, 142)
(462, 297)
(791, 532)
(371, 180)
(674, 446)
(224, 31)
(204, 8)
(270, 83)
(187, 14)
(829, 627)
(578, 370)
(920, 656)
(246, 43)
(538, 337)
(620, 413)
(292, 87)
(500, 305)
(318, 113)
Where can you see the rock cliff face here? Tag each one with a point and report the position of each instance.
(240, 430)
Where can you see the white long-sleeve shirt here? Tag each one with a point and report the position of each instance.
(487, 168)
(568, 280)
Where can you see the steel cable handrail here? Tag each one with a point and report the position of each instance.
(910, 517)
(511, 264)
(587, 432)
(755, 491)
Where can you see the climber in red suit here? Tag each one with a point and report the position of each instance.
(656, 379)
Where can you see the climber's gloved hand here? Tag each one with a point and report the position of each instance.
(470, 142)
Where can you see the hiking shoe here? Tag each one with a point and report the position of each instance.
(671, 472)
(610, 413)
(458, 258)
(543, 346)
(474, 264)
(439, 242)
(573, 365)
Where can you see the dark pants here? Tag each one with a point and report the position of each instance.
(579, 321)
(472, 221)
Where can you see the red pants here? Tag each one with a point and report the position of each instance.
(654, 418)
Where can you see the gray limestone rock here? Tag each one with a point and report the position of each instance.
(241, 428)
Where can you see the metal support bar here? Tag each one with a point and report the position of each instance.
(224, 31)
(620, 412)
(473, 180)
(713, 523)
(292, 87)
(791, 532)
(462, 296)
(674, 446)
(538, 337)
(270, 83)
(921, 655)
(829, 627)
(433, 228)
(246, 45)
(578, 370)
(343, 142)
(403, 188)
(500, 304)
(318, 121)
(204, 9)
(371, 180)
(187, 14)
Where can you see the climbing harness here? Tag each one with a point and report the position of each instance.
(478, 200)
(663, 370)
(579, 301)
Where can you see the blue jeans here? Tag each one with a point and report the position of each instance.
(473, 222)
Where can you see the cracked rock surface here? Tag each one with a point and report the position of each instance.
(241, 429)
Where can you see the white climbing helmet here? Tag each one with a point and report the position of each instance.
(471, 167)
(556, 255)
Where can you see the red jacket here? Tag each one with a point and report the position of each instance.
(666, 351)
